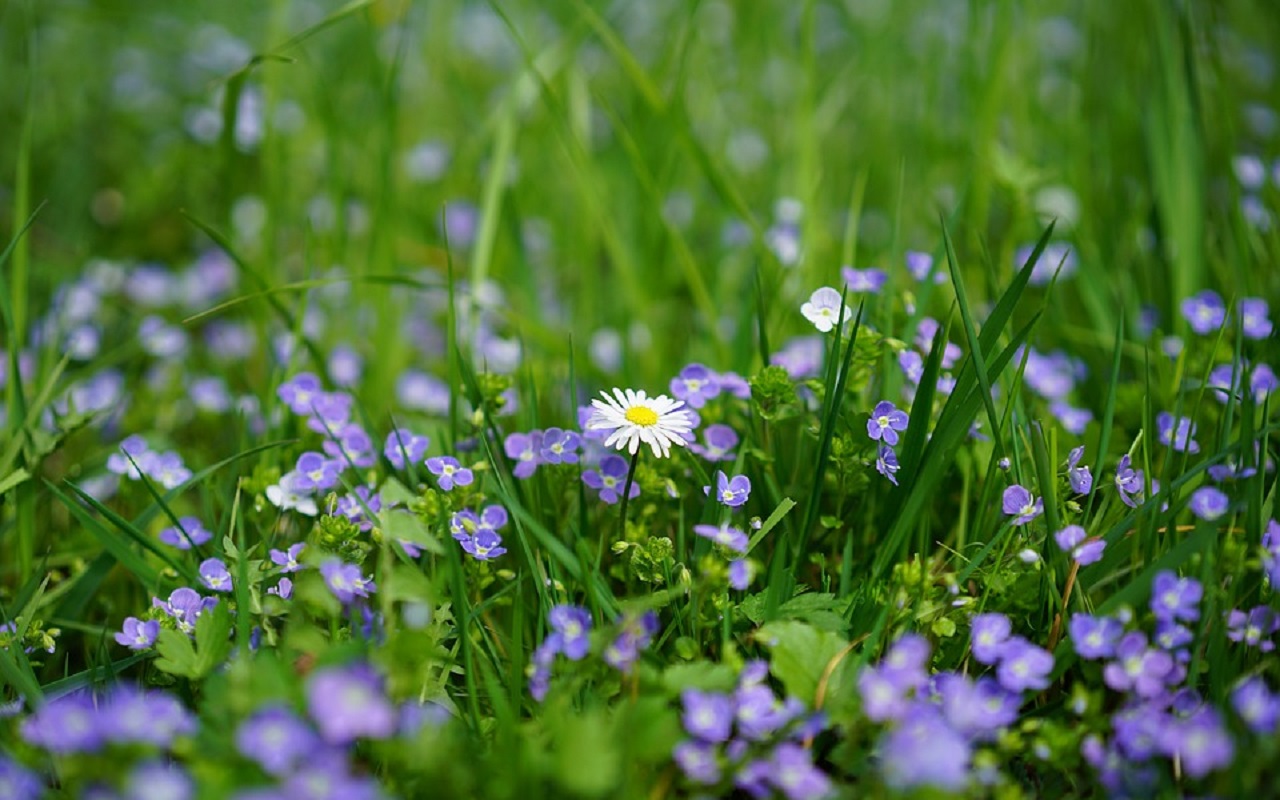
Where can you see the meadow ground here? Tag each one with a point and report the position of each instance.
(643, 399)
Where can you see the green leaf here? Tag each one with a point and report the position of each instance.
(177, 654)
(706, 676)
(180, 656)
(800, 653)
(409, 527)
(588, 761)
(13, 479)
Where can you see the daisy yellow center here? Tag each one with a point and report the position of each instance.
(640, 415)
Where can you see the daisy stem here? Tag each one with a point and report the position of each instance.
(626, 495)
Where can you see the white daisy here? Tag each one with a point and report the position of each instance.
(634, 417)
(823, 308)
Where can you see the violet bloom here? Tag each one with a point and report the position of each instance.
(988, 635)
(1174, 598)
(138, 635)
(1094, 637)
(924, 751)
(907, 659)
(1254, 628)
(1130, 483)
(718, 443)
(759, 712)
(133, 716)
(449, 472)
(610, 479)
(1254, 320)
(707, 715)
(185, 605)
(885, 695)
(1138, 668)
(1019, 503)
(404, 447)
(277, 739)
(912, 365)
(636, 634)
(698, 761)
(1208, 503)
(65, 725)
(345, 581)
(1200, 742)
(921, 264)
(188, 532)
(168, 470)
(573, 625)
(214, 575)
(283, 589)
(1080, 478)
(17, 782)
(734, 384)
(794, 774)
(859, 281)
(695, 385)
(351, 446)
(1258, 708)
(1176, 432)
(1024, 666)
(300, 392)
(978, 709)
(158, 780)
(1205, 312)
(484, 545)
(525, 449)
(1073, 420)
(330, 411)
(1070, 536)
(885, 423)
(315, 472)
(348, 703)
(732, 492)
(724, 535)
(286, 496)
(739, 574)
(559, 446)
(1172, 636)
(887, 463)
(359, 506)
(288, 560)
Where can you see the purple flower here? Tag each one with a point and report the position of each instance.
(732, 492)
(277, 739)
(739, 574)
(167, 469)
(1254, 628)
(719, 443)
(486, 544)
(153, 780)
(1171, 636)
(404, 447)
(926, 332)
(1200, 742)
(525, 449)
(132, 716)
(17, 782)
(724, 535)
(1208, 503)
(560, 446)
(924, 751)
(1254, 318)
(1130, 483)
(1138, 668)
(610, 479)
(68, 724)
(884, 694)
(887, 463)
(348, 703)
(283, 589)
(1176, 432)
(138, 635)
(300, 392)
(188, 532)
(885, 423)
(1018, 503)
(698, 761)
(707, 715)
(988, 635)
(1070, 536)
(793, 773)
(330, 411)
(734, 384)
(1073, 420)
(358, 506)
(1094, 637)
(345, 581)
(1205, 312)
(921, 264)
(214, 575)
(860, 281)
(1079, 477)
(288, 560)
(1024, 666)
(636, 634)
(185, 605)
(314, 471)
(1089, 553)
(1257, 706)
(912, 365)
(573, 625)
(350, 446)
(133, 446)
(449, 472)
(695, 385)
(907, 659)
(978, 709)
(1174, 598)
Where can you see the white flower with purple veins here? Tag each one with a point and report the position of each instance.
(286, 496)
(824, 309)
